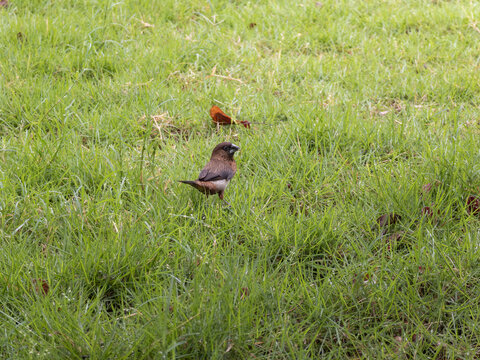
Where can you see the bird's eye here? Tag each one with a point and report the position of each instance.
(225, 148)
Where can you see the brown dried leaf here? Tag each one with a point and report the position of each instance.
(146, 25)
(252, 25)
(388, 219)
(20, 37)
(229, 347)
(44, 248)
(393, 238)
(427, 211)
(396, 236)
(427, 188)
(166, 185)
(245, 123)
(473, 205)
(219, 117)
(41, 286)
(430, 215)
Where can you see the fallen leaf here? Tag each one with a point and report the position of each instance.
(219, 117)
(229, 347)
(427, 211)
(396, 236)
(41, 286)
(388, 219)
(473, 205)
(427, 188)
(245, 123)
(146, 25)
(166, 186)
(129, 315)
(20, 37)
(252, 25)
(44, 249)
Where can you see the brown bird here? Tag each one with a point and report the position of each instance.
(218, 172)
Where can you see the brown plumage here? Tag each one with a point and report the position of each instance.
(218, 172)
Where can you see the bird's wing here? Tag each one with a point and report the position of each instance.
(216, 170)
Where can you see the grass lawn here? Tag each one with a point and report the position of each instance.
(359, 109)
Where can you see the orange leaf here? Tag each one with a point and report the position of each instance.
(219, 117)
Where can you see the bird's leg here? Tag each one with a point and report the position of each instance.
(220, 195)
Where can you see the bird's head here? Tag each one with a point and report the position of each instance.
(225, 150)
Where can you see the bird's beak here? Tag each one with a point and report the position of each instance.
(235, 148)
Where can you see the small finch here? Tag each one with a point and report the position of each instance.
(218, 172)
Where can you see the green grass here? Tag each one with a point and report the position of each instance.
(357, 105)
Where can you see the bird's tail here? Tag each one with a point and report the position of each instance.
(189, 182)
(192, 183)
